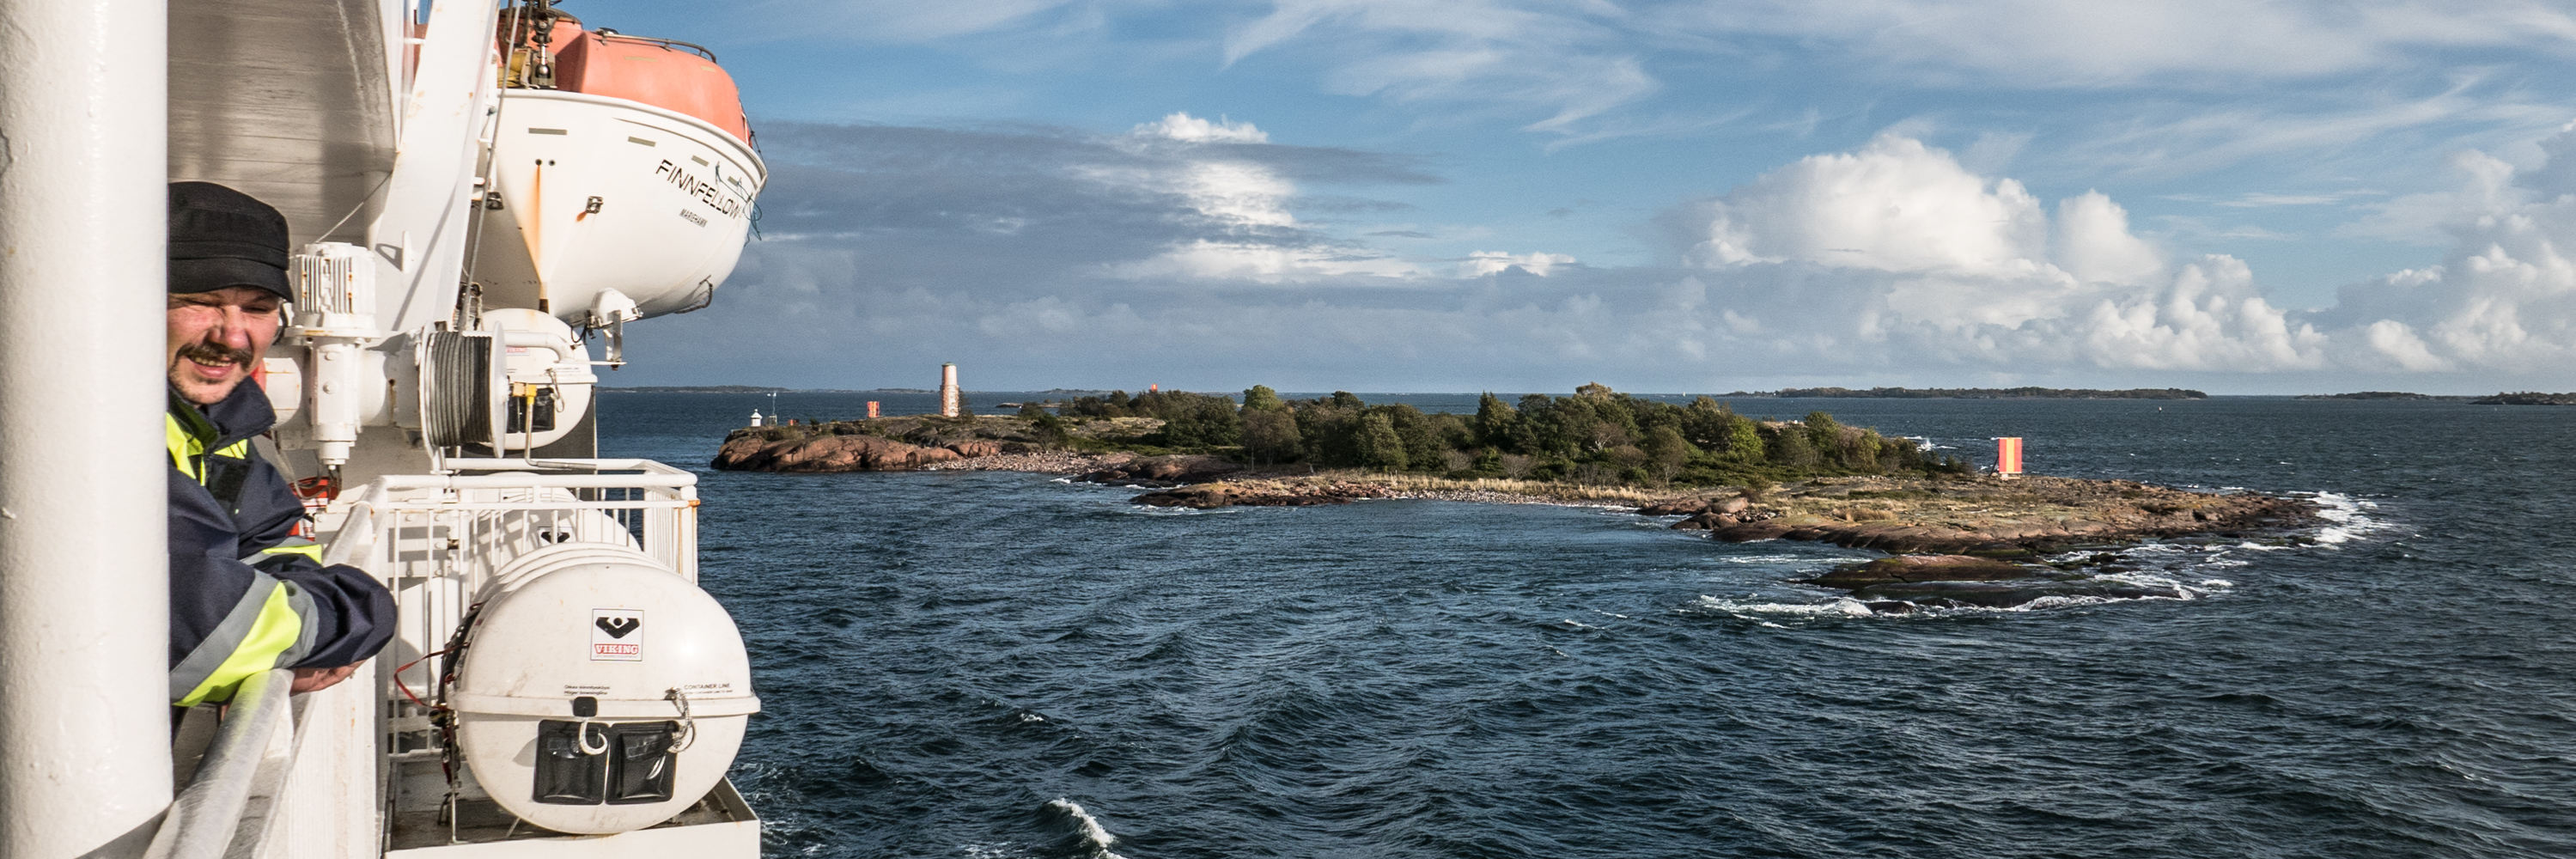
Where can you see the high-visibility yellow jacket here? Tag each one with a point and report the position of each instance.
(246, 594)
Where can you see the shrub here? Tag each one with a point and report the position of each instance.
(1049, 428)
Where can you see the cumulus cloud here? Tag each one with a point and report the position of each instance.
(1942, 262)
(2503, 297)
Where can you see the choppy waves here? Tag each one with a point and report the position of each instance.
(996, 665)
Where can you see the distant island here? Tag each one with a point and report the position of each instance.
(2526, 398)
(2382, 395)
(2024, 393)
(2516, 398)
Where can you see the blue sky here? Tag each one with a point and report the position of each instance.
(2247, 197)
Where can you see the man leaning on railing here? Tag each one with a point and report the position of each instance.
(246, 594)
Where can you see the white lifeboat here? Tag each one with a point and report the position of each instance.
(625, 191)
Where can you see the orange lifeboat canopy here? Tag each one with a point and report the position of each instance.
(651, 71)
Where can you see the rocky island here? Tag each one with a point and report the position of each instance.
(1956, 537)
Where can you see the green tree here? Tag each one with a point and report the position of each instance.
(1032, 411)
(1270, 435)
(1824, 435)
(1327, 432)
(1197, 420)
(1496, 422)
(1791, 447)
(1260, 398)
(1743, 439)
(1706, 422)
(1378, 444)
(1666, 452)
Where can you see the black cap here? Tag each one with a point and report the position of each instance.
(220, 237)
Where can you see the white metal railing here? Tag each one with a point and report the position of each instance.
(455, 525)
(439, 539)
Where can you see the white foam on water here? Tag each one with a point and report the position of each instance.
(2215, 584)
(2350, 518)
(1839, 607)
(1766, 559)
(1144, 510)
(2150, 580)
(1093, 834)
(1577, 624)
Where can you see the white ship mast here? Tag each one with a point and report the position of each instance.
(473, 210)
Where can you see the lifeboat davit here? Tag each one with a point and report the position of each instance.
(622, 174)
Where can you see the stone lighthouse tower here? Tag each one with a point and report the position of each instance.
(948, 400)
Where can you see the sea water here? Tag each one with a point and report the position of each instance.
(1012, 665)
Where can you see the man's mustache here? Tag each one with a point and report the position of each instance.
(215, 354)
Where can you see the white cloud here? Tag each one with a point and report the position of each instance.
(1895, 205)
(1217, 186)
(1907, 247)
(1481, 263)
(2486, 184)
(2094, 243)
(1190, 129)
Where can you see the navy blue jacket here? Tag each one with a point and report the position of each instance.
(246, 595)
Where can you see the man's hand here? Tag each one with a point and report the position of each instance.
(318, 679)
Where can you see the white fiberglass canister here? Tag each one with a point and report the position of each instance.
(592, 193)
(599, 692)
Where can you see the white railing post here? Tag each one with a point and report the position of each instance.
(84, 566)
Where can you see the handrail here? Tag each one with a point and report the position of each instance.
(612, 34)
(207, 814)
(356, 541)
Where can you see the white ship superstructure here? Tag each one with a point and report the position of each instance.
(485, 195)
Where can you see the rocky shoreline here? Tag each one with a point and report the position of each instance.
(1987, 515)
(1953, 541)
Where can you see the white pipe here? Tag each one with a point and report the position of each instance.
(205, 817)
(84, 562)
